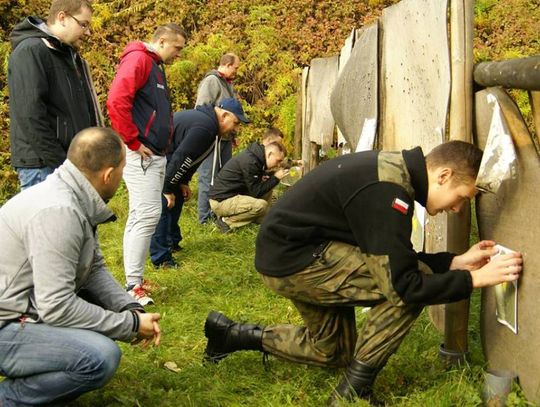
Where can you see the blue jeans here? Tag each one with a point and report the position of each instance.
(168, 233)
(205, 177)
(32, 176)
(45, 364)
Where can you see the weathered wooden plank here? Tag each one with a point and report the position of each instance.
(305, 122)
(511, 217)
(321, 81)
(354, 98)
(299, 119)
(534, 100)
(344, 56)
(519, 73)
(415, 74)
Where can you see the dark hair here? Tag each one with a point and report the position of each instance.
(96, 148)
(168, 29)
(67, 6)
(463, 158)
(277, 146)
(228, 59)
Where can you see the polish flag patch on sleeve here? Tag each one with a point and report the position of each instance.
(400, 206)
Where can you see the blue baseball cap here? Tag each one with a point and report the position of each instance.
(233, 105)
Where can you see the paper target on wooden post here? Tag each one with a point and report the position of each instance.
(511, 218)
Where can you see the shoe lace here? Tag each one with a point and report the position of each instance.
(266, 361)
(147, 285)
(139, 291)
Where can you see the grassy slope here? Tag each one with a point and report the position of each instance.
(217, 273)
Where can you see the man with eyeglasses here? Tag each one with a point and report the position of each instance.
(140, 111)
(52, 96)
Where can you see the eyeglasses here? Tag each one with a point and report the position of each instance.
(145, 163)
(85, 25)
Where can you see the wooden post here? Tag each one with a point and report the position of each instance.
(519, 73)
(456, 320)
(314, 155)
(299, 120)
(534, 100)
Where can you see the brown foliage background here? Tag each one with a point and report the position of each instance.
(273, 38)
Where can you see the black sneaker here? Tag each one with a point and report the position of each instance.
(222, 225)
(176, 248)
(167, 264)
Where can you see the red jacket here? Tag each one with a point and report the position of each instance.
(138, 101)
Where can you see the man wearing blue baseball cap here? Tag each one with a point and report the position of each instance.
(197, 133)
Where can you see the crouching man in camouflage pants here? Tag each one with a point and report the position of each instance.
(340, 238)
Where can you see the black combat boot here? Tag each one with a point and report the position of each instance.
(225, 336)
(357, 382)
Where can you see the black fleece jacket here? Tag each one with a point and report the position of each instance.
(345, 200)
(243, 175)
(50, 96)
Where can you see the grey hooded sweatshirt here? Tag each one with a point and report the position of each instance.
(50, 253)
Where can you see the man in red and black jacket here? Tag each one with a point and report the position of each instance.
(140, 111)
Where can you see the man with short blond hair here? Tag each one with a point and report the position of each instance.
(242, 191)
(51, 92)
(216, 85)
(60, 308)
(140, 111)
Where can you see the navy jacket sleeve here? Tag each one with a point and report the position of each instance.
(186, 158)
(386, 232)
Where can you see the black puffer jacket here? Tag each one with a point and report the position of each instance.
(51, 96)
(243, 175)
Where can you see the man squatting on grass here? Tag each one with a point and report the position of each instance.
(340, 238)
(242, 190)
(60, 308)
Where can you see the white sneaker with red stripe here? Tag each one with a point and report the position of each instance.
(138, 292)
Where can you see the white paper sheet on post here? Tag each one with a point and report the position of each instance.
(367, 137)
(506, 298)
(499, 162)
(418, 227)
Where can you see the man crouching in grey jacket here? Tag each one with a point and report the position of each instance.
(60, 308)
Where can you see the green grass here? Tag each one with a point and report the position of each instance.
(216, 273)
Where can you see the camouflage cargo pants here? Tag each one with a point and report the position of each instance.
(325, 293)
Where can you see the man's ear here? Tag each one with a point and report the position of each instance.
(445, 174)
(60, 17)
(106, 175)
